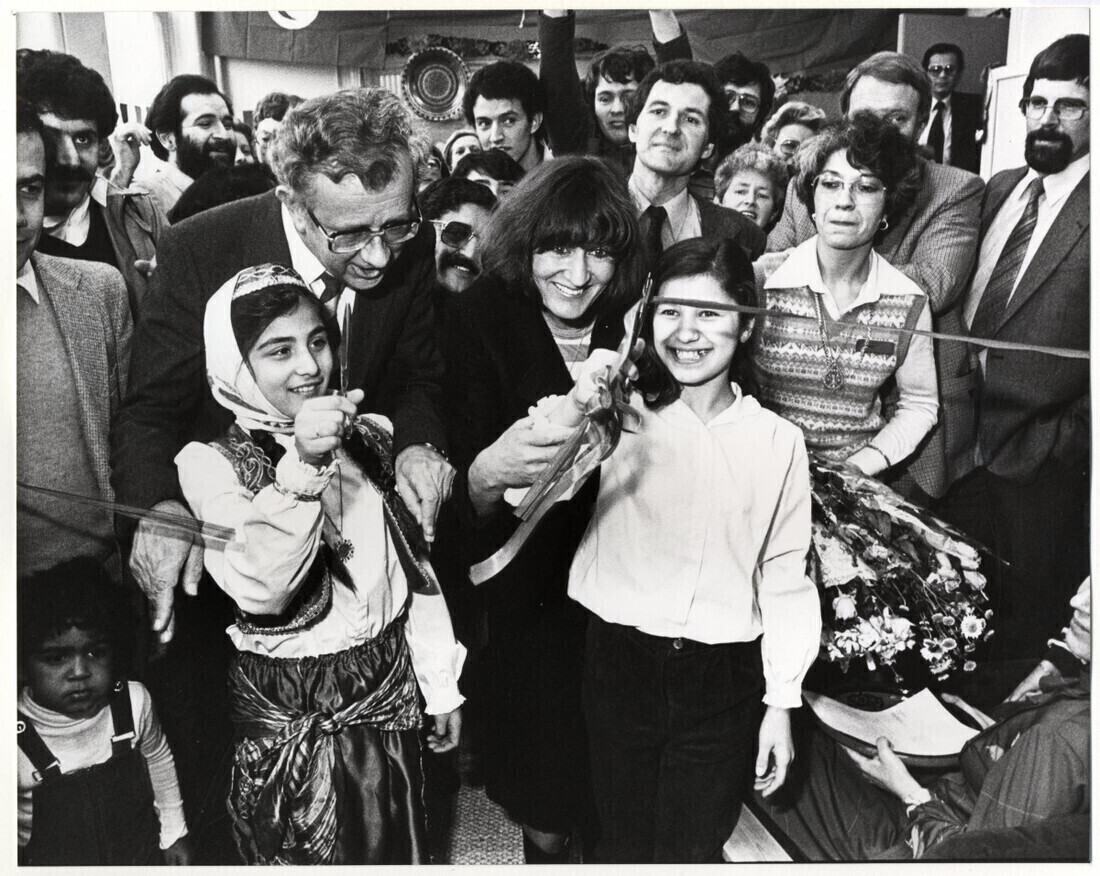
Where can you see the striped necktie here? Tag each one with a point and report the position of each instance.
(991, 309)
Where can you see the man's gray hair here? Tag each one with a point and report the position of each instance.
(362, 131)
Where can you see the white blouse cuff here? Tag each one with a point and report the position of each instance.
(300, 479)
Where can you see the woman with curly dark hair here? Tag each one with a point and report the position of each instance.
(562, 263)
(832, 344)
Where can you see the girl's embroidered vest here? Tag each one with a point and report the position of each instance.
(789, 363)
(254, 457)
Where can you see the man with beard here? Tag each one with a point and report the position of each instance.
(1026, 496)
(89, 216)
(678, 115)
(192, 126)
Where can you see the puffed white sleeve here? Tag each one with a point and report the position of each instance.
(790, 610)
(437, 656)
(278, 531)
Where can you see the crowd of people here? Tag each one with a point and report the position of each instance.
(303, 375)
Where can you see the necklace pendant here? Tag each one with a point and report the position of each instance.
(834, 376)
(344, 550)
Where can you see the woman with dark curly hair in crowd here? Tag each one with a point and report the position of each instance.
(833, 343)
(562, 264)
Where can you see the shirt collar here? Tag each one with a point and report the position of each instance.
(28, 280)
(678, 413)
(801, 269)
(302, 259)
(72, 227)
(1057, 186)
(676, 208)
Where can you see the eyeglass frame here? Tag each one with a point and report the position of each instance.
(372, 233)
(1059, 106)
(789, 148)
(743, 101)
(941, 69)
(442, 226)
(861, 199)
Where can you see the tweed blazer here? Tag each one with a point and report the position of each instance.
(934, 243)
(1033, 407)
(394, 359)
(93, 315)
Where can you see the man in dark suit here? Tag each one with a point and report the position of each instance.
(951, 128)
(933, 243)
(350, 227)
(678, 114)
(1025, 493)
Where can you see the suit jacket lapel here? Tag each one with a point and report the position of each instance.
(1072, 222)
(85, 347)
(995, 197)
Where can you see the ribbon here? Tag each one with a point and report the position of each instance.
(1062, 352)
(593, 441)
(175, 521)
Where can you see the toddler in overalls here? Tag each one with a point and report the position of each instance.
(97, 782)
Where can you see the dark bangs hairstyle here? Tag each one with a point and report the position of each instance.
(720, 258)
(870, 145)
(75, 594)
(1065, 59)
(621, 64)
(251, 314)
(570, 201)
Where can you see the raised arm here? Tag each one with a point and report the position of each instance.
(567, 117)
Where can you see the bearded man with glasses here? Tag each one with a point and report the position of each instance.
(344, 217)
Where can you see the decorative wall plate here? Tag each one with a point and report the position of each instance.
(433, 83)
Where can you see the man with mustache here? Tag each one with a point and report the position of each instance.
(459, 209)
(678, 114)
(1025, 493)
(192, 126)
(89, 216)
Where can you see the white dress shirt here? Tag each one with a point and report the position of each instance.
(683, 221)
(28, 280)
(701, 531)
(1057, 188)
(278, 535)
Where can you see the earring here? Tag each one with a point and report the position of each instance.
(883, 225)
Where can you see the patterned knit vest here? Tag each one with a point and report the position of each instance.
(789, 364)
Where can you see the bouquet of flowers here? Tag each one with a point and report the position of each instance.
(892, 577)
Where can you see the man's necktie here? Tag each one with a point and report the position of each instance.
(331, 294)
(655, 219)
(935, 133)
(991, 308)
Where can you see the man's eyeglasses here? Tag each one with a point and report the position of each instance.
(748, 102)
(941, 69)
(454, 234)
(1069, 108)
(392, 234)
(789, 147)
(863, 190)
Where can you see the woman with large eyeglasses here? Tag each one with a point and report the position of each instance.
(562, 263)
(830, 343)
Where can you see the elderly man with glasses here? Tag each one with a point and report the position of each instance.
(344, 217)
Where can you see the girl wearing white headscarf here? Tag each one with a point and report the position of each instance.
(340, 624)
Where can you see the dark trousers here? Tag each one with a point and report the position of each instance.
(672, 729)
(1040, 530)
